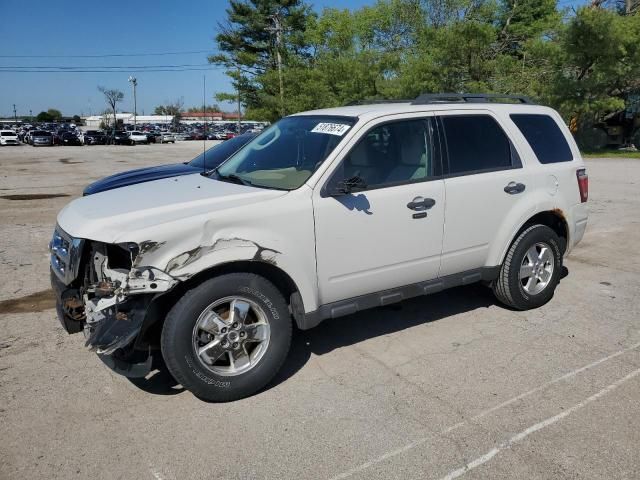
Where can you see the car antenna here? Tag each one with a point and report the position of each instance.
(204, 114)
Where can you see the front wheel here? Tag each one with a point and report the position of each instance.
(227, 338)
(531, 270)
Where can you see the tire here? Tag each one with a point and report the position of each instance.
(182, 335)
(523, 285)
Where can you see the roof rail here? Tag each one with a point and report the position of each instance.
(376, 102)
(427, 98)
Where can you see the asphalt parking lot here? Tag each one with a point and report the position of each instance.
(443, 386)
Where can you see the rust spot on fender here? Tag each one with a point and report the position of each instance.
(560, 213)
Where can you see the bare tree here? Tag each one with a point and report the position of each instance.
(112, 97)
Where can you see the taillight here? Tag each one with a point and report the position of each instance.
(583, 184)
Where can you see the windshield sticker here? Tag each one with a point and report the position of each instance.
(331, 128)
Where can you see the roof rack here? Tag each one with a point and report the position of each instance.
(427, 98)
(376, 102)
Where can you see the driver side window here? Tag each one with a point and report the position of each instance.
(390, 154)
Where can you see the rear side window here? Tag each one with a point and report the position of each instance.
(476, 143)
(544, 137)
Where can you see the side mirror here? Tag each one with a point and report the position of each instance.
(349, 185)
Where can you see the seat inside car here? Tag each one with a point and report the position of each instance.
(365, 162)
(411, 159)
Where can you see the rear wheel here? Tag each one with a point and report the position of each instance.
(227, 338)
(531, 269)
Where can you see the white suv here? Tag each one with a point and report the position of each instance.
(324, 214)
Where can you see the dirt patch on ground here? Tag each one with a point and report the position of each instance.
(36, 302)
(68, 161)
(34, 196)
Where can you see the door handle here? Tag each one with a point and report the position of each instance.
(512, 188)
(421, 204)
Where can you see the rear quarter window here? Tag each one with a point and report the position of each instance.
(544, 136)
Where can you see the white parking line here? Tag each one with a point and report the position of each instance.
(420, 441)
(534, 428)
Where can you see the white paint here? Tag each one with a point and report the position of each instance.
(538, 426)
(484, 413)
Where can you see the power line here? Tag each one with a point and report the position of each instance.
(149, 54)
(110, 67)
(109, 71)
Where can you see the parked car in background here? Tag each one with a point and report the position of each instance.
(120, 137)
(136, 137)
(68, 139)
(167, 137)
(206, 161)
(152, 137)
(94, 137)
(41, 138)
(9, 137)
(183, 136)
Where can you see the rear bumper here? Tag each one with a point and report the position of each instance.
(578, 224)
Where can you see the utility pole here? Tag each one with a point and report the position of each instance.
(134, 82)
(15, 115)
(277, 29)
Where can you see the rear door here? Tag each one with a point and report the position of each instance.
(484, 182)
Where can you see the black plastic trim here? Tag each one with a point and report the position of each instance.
(394, 295)
(431, 98)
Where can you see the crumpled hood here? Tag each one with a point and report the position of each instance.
(123, 214)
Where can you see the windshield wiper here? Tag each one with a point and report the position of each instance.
(238, 179)
(233, 177)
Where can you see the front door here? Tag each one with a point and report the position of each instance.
(388, 233)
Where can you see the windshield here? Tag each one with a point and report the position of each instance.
(286, 154)
(219, 153)
(7, 134)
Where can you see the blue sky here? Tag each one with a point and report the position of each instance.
(70, 27)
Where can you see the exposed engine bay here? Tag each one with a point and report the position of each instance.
(103, 295)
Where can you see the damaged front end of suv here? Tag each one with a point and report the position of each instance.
(101, 290)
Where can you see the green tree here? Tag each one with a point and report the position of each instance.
(173, 109)
(55, 114)
(44, 117)
(600, 62)
(261, 37)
